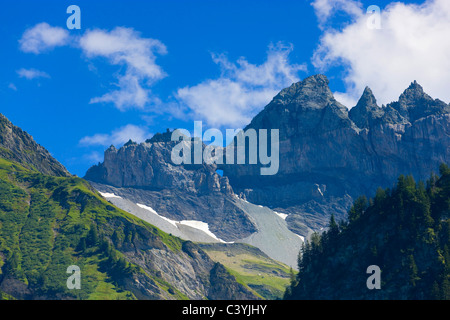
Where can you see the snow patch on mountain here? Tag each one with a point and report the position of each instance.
(143, 206)
(109, 195)
(281, 215)
(203, 226)
(199, 225)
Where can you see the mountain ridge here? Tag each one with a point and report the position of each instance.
(19, 146)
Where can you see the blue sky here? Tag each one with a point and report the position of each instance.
(138, 67)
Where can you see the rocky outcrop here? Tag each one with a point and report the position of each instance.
(366, 110)
(224, 285)
(19, 146)
(148, 165)
(144, 173)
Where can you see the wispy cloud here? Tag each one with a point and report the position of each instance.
(122, 47)
(242, 89)
(31, 74)
(43, 37)
(117, 137)
(126, 47)
(12, 86)
(325, 9)
(409, 47)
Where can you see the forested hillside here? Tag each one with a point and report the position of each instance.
(404, 230)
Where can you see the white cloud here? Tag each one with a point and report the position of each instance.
(325, 9)
(43, 37)
(31, 74)
(130, 94)
(12, 86)
(126, 47)
(117, 137)
(410, 46)
(241, 90)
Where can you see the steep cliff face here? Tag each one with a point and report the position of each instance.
(19, 146)
(329, 155)
(149, 165)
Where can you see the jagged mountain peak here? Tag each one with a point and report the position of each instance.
(130, 143)
(413, 93)
(300, 102)
(415, 86)
(318, 79)
(304, 107)
(366, 110)
(414, 103)
(368, 96)
(112, 148)
(303, 91)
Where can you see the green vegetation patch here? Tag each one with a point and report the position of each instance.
(264, 276)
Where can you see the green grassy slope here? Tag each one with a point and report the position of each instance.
(266, 277)
(49, 223)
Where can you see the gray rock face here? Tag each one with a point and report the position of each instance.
(148, 165)
(415, 104)
(191, 271)
(347, 153)
(224, 285)
(19, 146)
(366, 110)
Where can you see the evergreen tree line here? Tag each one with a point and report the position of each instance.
(405, 231)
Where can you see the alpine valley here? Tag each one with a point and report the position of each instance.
(141, 227)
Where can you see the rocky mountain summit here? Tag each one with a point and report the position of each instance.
(366, 110)
(148, 165)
